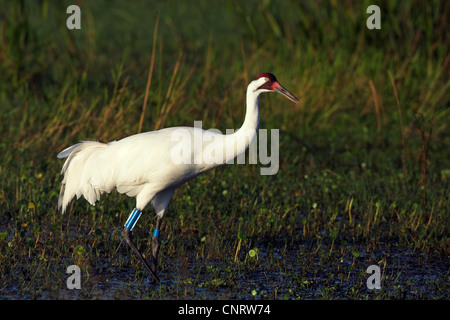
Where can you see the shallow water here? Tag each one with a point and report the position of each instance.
(302, 273)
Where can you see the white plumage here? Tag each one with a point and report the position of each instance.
(142, 165)
(151, 165)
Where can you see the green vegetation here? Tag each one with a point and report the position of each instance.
(364, 158)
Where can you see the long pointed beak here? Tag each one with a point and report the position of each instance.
(280, 89)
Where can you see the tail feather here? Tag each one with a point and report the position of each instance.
(73, 167)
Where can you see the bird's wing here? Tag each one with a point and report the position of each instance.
(143, 163)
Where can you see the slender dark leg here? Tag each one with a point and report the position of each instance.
(155, 243)
(126, 233)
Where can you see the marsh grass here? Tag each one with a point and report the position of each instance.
(364, 161)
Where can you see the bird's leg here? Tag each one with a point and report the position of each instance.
(127, 235)
(156, 242)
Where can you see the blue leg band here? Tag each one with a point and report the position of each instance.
(132, 219)
(155, 233)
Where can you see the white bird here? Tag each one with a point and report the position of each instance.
(151, 165)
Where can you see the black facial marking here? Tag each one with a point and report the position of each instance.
(268, 85)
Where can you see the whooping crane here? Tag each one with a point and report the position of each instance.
(143, 165)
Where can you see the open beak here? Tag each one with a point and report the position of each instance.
(280, 89)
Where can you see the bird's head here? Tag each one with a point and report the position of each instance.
(267, 82)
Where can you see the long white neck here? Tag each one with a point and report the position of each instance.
(239, 141)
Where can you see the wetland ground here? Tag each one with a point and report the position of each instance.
(364, 169)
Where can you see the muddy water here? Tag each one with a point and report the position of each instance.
(302, 273)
